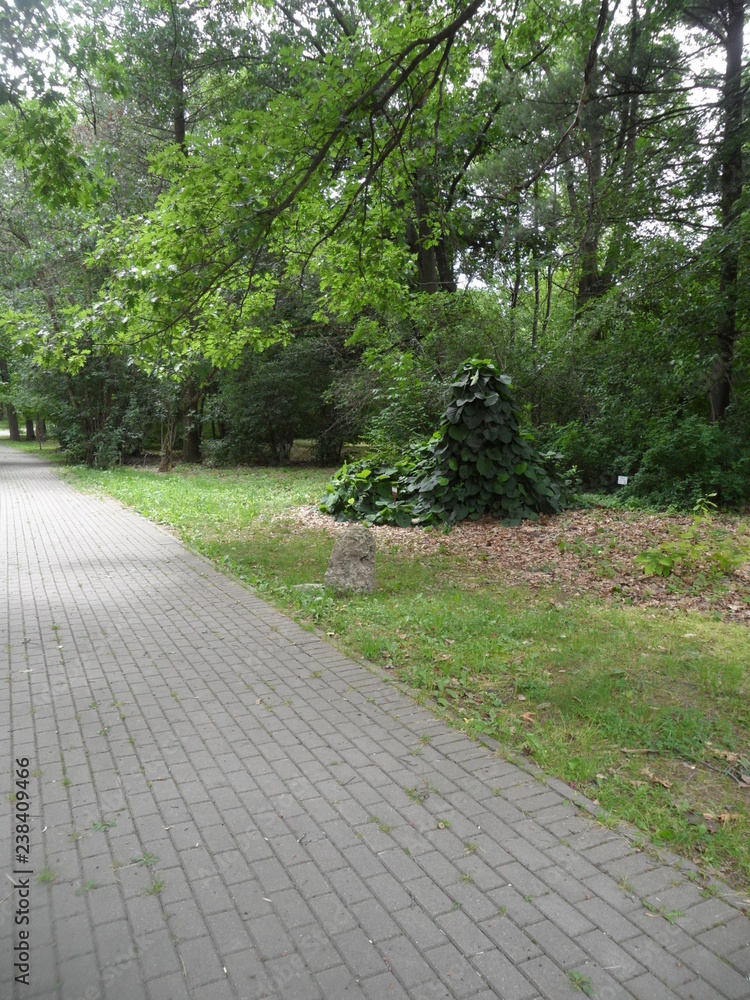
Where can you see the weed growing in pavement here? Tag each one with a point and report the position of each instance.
(148, 860)
(581, 982)
(103, 825)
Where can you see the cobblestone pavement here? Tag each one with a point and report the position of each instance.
(222, 805)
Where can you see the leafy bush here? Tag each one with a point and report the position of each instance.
(670, 463)
(689, 460)
(277, 396)
(99, 414)
(478, 462)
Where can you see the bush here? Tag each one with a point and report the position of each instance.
(277, 396)
(689, 460)
(478, 462)
(99, 414)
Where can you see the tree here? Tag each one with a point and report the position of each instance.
(723, 21)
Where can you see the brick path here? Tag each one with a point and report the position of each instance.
(231, 808)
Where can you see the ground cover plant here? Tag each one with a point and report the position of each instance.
(636, 699)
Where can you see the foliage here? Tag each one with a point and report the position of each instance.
(690, 459)
(700, 551)
(100, 415)
(556, 201)
(276, 396)
(478, 462)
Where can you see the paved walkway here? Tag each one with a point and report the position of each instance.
(230, 808)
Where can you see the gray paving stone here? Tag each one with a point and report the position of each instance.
(607, 919)
(727, 981)
(509, 900)
(458, 975)
(549, 978)
(503, 977)
(218, 990)
(658, 961)
(705, 915)
(648, 986)
(375, 920)
(315, 947)
(698, 990)
(359, 953)
(517, 945)
(610, 956)
(383, 987)
(404, 960)
(339, 984)
(556, 944)
(727, 938)
(200, 962)
(471, 901)
(523, 880)
(420, 928)
(560, 912)
(246, 974)
(740, 960)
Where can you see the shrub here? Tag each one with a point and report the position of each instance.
(275, 397)
(478, 462)
(686, 461)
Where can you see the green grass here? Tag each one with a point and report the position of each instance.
(49, 449)
(206, 506)
(570, 682)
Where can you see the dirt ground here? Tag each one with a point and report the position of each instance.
(586, 551)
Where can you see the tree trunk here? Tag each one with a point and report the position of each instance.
(167, 443)
(517, 275)
(191, 438)
(192, 425)
(30, 435)
(444, 260)
(429, 279)
(731, 195)
(15, 433)
(590, 281)
(535, 322)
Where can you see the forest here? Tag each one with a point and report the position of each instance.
(226, 227)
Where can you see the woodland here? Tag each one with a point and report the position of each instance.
(226, 227)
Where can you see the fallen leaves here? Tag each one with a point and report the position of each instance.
(654, 779)
(722, 818)
(738, 766)
(711, 822)
(583, 551)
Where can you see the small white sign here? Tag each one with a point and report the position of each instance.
(622, 480)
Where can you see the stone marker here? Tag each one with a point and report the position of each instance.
(352, 565)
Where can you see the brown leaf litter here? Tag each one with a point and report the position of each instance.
(580, 552)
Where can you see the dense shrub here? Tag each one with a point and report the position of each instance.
(688, 460)
(669, 462)
(99, 414)
(478, 462)
(277, 396)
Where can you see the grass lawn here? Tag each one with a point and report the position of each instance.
(48, 450)
(644, 709)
